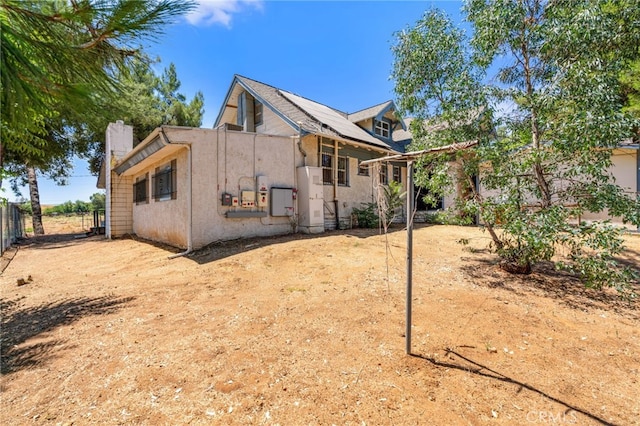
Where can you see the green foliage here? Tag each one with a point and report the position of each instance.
(630, 80)
(26, 208)
(152, 101)
(366, 217)
(545, 159)
(393, 201)
(69, 207)
(437, 218)
(592, 248)
(98, 201)
(66, 53)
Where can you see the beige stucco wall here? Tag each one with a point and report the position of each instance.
(230, 162)
(221, 162)
(164, 220)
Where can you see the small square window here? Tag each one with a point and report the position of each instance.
(382, 128)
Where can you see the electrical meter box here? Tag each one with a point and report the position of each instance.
(248, 199)
(261, 183)
(226, 199)
(263, 199)
(234, 201)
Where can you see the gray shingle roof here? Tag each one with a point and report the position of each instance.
(400, 134)
(368, 112)
(333, 120)
(314, 117)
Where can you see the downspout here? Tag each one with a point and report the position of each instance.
(335, 182)
(189, 200)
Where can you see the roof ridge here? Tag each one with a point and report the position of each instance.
(316, 102)
(293, 93)
(371, 107)
(315, 116)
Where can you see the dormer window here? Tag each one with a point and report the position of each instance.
(382, 128)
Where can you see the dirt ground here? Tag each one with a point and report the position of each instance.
(301, 330)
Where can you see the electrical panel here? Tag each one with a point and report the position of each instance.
(234, 201)
(261, 183)
(282, 202)
(310, 199)
(226, 199)
(248, 199)
(263, 199)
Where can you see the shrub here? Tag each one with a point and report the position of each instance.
(366, 217)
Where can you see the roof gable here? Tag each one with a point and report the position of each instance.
(376, 111)
(303, 115)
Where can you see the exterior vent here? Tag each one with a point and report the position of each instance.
(235, 127)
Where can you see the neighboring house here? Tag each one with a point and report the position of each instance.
(625, 169)
(274, 163)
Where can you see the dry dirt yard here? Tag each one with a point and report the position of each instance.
(302, 330)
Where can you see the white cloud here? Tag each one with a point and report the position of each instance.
(211, 12)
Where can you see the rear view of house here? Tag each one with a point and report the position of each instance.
(274, 163)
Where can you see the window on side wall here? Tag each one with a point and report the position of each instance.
(327, 169)
(343, 171)
(363, 170)
(397, 177)
(383, 174)
(140, 190)
(164, 182)
(382, 128)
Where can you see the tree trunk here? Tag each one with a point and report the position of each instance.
(488, 226)
(38, 229)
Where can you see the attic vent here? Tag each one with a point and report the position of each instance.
(235, 127)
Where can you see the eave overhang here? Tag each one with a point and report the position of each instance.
(152, 149)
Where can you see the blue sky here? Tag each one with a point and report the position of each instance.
(334, 52)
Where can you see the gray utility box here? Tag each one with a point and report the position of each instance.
(282, 202)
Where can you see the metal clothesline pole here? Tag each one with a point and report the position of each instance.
(409, 157)
(409, 253)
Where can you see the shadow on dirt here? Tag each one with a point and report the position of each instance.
(472, 367)
(223, 249)
(53, 241)
(20, 324)
(550, 282)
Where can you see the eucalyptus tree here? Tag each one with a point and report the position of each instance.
(540, 79)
